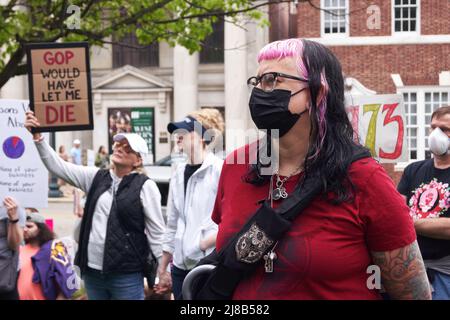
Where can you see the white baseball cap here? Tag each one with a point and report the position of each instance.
(76, 141)
(136, 142)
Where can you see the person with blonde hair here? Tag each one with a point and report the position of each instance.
(122, 223)
(190, 233)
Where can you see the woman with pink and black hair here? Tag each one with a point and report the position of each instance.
(358, 221)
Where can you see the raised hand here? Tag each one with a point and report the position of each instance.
(11, 208)
(32, 122)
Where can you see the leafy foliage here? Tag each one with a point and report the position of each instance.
(184, 22)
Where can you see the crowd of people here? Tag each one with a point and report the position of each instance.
(356, 217)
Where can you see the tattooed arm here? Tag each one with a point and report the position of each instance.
(403, 273)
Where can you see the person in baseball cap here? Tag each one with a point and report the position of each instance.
(124, 221)
(35, 217)
(135, 141)
(128, 150)
(195, 135)
(189, 124)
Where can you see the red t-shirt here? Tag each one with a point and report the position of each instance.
(326, 252)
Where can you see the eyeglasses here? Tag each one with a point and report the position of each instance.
(125, 147)
(268, 80)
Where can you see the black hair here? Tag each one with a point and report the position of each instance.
(44, 234)
(330, 160)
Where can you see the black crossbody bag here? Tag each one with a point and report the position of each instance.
(244, 252)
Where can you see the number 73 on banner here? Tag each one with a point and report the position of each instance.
(380, 127)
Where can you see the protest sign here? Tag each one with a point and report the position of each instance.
(22, 174)
(379, 123)
(60, 85)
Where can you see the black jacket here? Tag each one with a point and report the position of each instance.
(126, 225)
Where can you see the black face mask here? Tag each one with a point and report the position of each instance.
(270, 110)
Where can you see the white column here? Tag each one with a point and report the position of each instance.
(15, 88)
(185, 82)
(236, 90)
(257, 38)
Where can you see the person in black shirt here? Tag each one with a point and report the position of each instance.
(425, 184)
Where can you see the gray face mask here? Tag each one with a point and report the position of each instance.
(439, 142)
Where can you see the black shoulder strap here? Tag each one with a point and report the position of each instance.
(303, 194)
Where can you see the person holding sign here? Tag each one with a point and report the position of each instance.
(425, 184)
(350, 217)
(12, 222)
(122, 224)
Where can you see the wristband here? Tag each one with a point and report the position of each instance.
(13, 221)
(40, 139)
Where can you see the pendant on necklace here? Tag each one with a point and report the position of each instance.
(279, 193)
(268, 261)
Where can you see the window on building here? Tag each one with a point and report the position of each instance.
(433, 101)
(419, 106)
(410, 103)
(213, 45)
(406, 15)
(128, 51)
(334, 17)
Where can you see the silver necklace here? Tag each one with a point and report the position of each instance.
(276, 194)
(280, 191)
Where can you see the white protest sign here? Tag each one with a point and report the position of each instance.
(22, 174)
(380, 124)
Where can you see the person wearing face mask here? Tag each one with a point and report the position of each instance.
(358, 219)
(425, 185)
(191, 234)
(122, 224)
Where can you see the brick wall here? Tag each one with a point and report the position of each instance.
(435, 17)
(373, 65)
(359, 16)
(308, 20)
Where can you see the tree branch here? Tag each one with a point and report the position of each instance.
(101, 38)
(10, 69)
(88, 7)
(222, 13)
(8, 9)
(21, 69)
(140, 14)
(333, 13)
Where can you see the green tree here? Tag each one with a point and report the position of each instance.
(184, 22)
